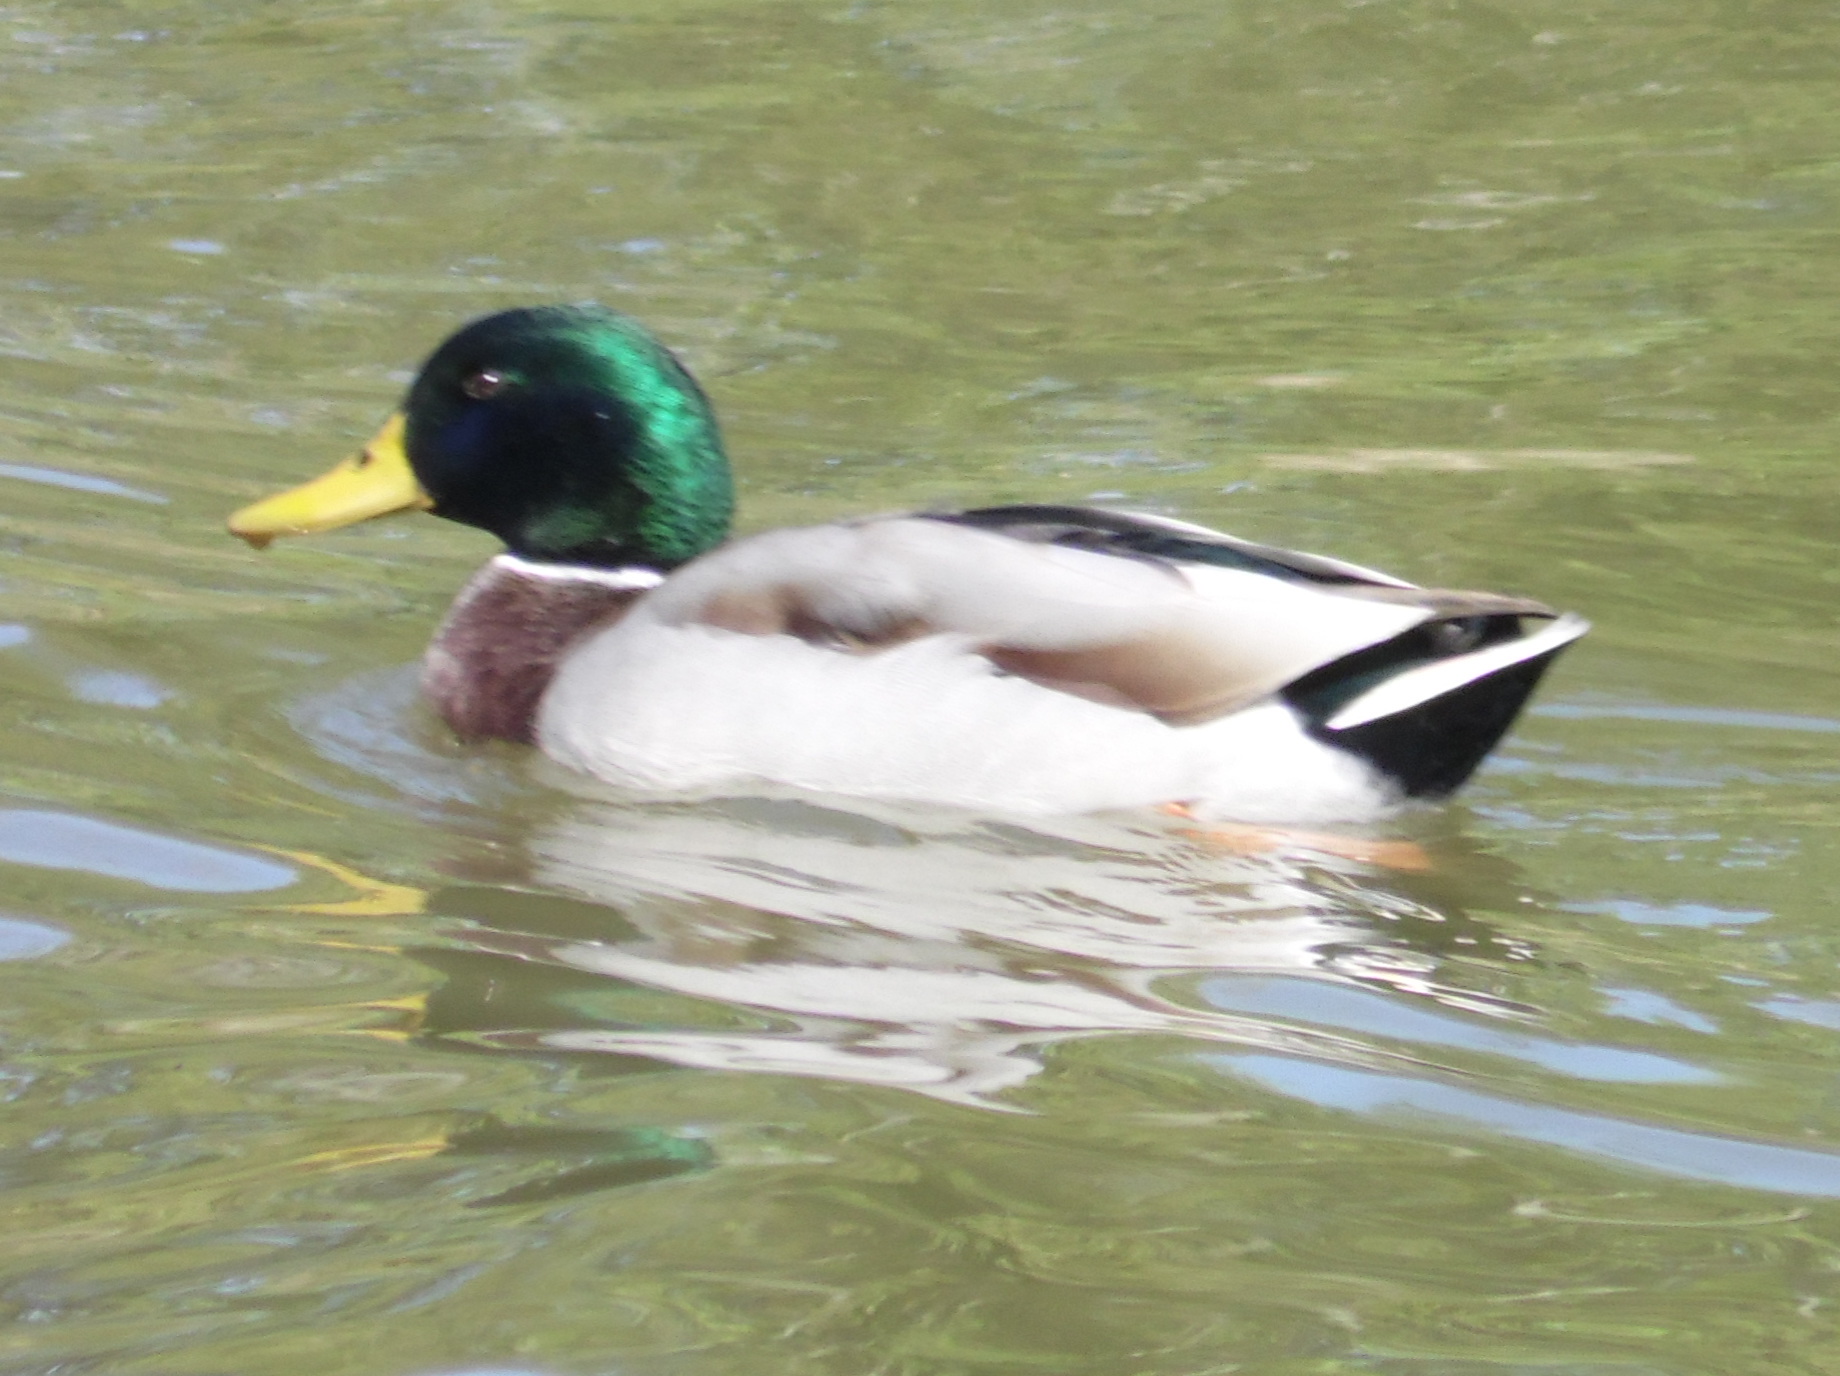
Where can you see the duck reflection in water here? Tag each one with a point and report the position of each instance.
(929, 952)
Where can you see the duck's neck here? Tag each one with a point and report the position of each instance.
(501, 641)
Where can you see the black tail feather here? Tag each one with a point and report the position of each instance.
(1431, 749)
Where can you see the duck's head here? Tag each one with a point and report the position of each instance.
(567, 431)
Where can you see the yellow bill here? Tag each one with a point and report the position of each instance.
(373, 482)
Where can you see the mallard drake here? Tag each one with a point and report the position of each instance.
(1014, 658)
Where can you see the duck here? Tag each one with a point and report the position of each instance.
(1029, 659)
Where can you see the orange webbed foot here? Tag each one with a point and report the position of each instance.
(1245, 839)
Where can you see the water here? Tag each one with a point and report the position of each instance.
(333, 1047)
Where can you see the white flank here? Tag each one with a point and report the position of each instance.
(690, 709)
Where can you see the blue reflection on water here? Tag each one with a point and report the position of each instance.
(1696, 716)
(1674, 1151)
(1359, 1010)
(81, 482)
(1645, 1005)
(1670, 914)
(1819, 1013)
(68, 841)
(22, 940)
(118, 688)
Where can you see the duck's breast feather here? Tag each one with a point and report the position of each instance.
(497, 649)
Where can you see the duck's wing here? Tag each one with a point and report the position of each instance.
(1139, 535)
(1155, 615)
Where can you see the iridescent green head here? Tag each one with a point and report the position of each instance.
(569, 432)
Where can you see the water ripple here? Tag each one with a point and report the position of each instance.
(69, 841)
(1672, 1151)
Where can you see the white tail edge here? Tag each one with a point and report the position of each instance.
(1442, 676)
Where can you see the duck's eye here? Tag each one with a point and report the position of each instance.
(483, 384)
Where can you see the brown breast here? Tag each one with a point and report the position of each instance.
(501, 641)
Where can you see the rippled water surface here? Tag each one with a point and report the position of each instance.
(331, 1046)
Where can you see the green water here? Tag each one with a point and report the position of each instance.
(479, 1072)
